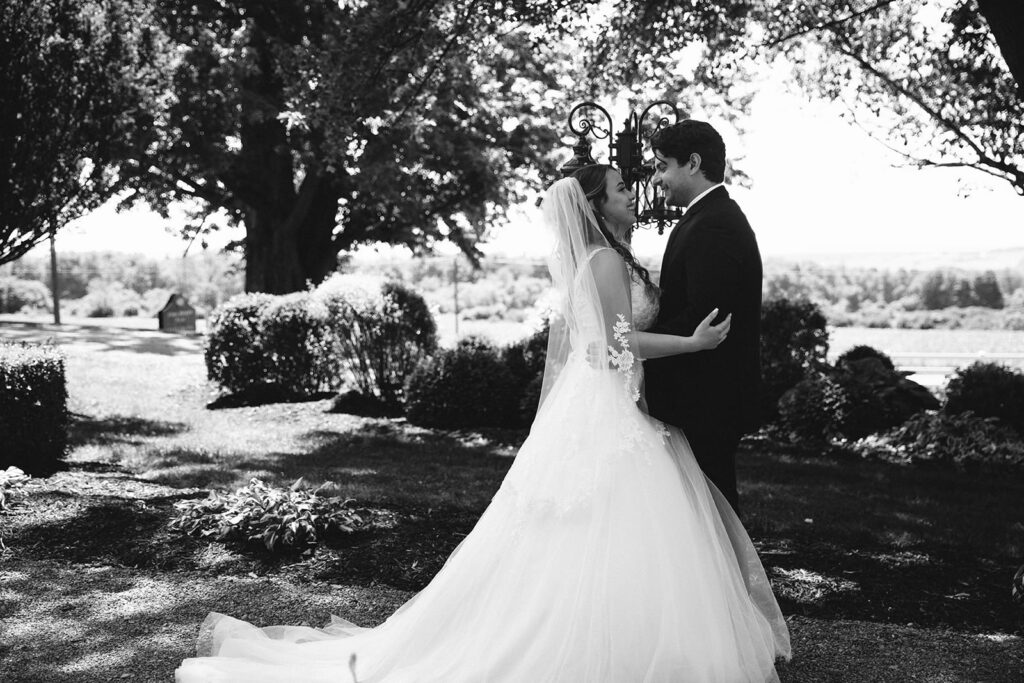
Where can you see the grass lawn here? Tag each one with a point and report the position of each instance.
(886, 573)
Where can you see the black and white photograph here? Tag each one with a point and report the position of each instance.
(512, 341)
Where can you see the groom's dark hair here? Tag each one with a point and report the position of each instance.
(687, 137)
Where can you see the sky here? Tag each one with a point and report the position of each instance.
(820, 186)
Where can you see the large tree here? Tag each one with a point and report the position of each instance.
(323, 125)
(71, 86)
(941, 81)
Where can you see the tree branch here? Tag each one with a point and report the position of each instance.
(829, 24)
(983, 157)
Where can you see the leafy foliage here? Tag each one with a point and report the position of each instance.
(877, 396)
(812, 410)
(16, 294)
(794, 341)
(74, 77)
(296, 341)
(33, 407)
(861, 352)
(468, 386)
(12, 488)
(988, 390)
(281, 520)
(525, 360)
(962, 439)
(379, 331)
(284, 119)
(234, 351)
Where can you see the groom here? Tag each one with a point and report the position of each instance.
(711, 261)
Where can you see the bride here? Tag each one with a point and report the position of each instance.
(604, 557)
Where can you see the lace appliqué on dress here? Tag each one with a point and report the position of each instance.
(622, 358)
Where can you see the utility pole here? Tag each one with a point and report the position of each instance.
(54, 283)
(455, 287)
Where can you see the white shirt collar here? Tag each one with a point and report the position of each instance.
(703, 194)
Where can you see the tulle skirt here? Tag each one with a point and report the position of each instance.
(605, 556)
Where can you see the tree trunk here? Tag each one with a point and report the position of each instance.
(288, 246)
(1006, 20)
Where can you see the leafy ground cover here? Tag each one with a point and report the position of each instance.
(886, 572)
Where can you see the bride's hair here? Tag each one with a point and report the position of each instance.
(593, 180)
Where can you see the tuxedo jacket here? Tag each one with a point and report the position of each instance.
(711, 261)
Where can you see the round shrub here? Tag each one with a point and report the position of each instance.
(380, 331)
(794, 341)
(468, 386)
(234, 351)
(878, 397)
(296, 342)
(862, 351)
(813, 410)
(988, 390)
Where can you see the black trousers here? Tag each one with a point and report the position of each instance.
(714, 446)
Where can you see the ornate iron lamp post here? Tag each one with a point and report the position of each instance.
(625, 153)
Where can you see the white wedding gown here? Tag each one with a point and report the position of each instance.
(604, 557)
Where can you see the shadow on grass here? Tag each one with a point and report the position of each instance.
(119, 429)
(131, 533)
(847, 538)
(105, 338)
(264, 394)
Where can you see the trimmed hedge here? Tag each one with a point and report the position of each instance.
(235, 354)
(988, 390)
(33, 407)
(295, 338)
(468, 386)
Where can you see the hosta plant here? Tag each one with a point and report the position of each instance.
(280, 519)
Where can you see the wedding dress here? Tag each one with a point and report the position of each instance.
(604, 557)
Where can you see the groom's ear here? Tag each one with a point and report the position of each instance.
(693, 165)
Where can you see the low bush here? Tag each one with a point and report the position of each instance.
(281, 520)
(33, 407)
(877, 396)
(16, 294)
(296, 341)
(813, 410)
(862, 351)
(468, 386)
(964, 440)
(525, 360)
(234, 351)
(380, 332)
(988, 390)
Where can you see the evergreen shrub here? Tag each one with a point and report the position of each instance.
(235, 355)
(468, 386)
(988, 390)
(33, 407)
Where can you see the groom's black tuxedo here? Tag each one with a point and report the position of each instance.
(711, 261)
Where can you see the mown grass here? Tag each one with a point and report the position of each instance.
(919, 557)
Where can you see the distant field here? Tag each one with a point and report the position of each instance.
(896, 341)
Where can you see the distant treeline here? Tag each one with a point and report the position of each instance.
(111, 283)
(939, 297)
(509, 289)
